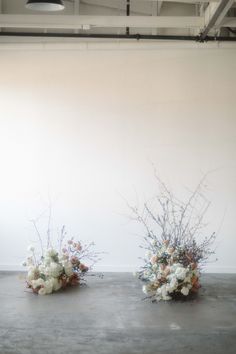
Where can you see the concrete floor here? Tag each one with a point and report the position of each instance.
(108, 317)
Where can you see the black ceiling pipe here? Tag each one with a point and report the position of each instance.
(127, 14)
(116, 36)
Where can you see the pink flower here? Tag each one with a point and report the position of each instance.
(70, 242)
(74, 260)
(83, 267)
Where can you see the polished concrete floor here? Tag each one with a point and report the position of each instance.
(109, 317)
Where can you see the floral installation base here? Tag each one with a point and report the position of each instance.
(170, 274)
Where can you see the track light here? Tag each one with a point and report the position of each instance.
(45, 5)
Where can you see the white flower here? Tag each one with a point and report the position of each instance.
(163, 290)
(24, 264)
(54, 270)
(49, 286)
(68, 268)
(56, 284)
(174, 283)
(180, 273)
(42, 268)
(30, 248)
(166, 297)
(38, 282)
(33, 273)
(185, 291)
(51, 253)
(171, 287)
(42, 291)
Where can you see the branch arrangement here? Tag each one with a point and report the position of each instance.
(58, 268)
(176, 248)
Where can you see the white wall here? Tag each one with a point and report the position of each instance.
(84, 124)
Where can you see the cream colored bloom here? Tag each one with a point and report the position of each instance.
(56, 284)
(54, 270)
(42, 291)
(68, 268)
(33, 273)
(185, 291)
(180, 273)
(38, 282)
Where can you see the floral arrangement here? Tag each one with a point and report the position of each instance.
(56, 269)
(176, 249)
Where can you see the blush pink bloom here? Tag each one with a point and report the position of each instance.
(74, 260)
(83, 267)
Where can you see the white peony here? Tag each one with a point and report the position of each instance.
(180, 273)
(56, 284)
(68, 268)
(171, 287)
(185, 291)
(54, 270)
(174, 283)
(48, 285)
(42, 291)
(38, 282)
(51, 253)
(33, 273)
